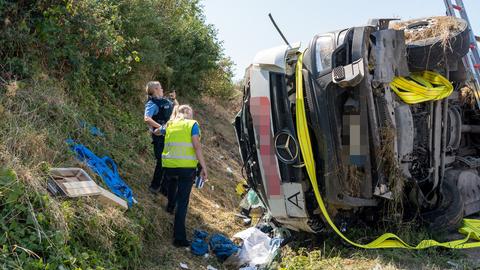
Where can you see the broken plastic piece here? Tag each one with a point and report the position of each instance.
(349, 75)
(382, 191)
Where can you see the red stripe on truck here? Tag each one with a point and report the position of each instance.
(260, 111)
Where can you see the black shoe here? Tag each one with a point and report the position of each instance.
(170, 210)
(181, 243)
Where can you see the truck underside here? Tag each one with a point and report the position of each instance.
(371, 148)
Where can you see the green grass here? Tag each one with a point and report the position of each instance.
(327, 251)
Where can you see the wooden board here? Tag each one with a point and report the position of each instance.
(81, 188)
(75, 182)
(80, 184)
(108, 198)
(82, 192)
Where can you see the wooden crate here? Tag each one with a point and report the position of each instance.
(75, 182)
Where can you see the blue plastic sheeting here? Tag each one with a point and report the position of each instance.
(199, 244)
(222, 247)
(106, 168)
(93, 129)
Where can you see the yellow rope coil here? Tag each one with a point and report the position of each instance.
(470, 228)
(421, 86)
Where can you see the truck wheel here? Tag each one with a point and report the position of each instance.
(449, 213)
(428, 39)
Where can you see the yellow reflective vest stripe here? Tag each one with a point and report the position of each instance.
(178, 151)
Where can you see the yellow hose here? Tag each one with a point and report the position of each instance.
(470, 228)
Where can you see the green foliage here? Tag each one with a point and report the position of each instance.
(30, 239)
(218, 82)
(109, 45)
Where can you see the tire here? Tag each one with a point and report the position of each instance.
(448, 215)
(428, 53)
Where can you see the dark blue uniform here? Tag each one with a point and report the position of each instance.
(160, 110)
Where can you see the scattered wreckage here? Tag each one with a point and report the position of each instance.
(373, 141)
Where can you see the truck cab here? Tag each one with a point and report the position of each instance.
(370, 146)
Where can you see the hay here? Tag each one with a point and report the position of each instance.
(354, 180)
(395, 179)
(467, 96)
(444, 27)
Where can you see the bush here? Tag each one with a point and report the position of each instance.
(108, 45)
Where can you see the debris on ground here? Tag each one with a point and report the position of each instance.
(71, 182)
(184, 266)
(229, 171)
(199, 245)
(106, 168)
(222, 246)
(249, 201)
(75, 182)
(257, 249)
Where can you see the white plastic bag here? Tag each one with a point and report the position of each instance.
(258, 248)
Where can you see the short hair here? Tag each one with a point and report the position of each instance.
(152, 85)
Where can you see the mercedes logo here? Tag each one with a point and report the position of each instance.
(286, 147)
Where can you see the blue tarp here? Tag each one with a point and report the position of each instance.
(93, 129)
(222, 247)
(199, 244)
(106, 168)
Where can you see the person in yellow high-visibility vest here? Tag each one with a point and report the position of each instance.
(180, 157)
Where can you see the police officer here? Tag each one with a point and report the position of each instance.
(158, 110)
(180, 157)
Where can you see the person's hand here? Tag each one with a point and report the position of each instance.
(173, 95)
(157, 131)
(204, 175)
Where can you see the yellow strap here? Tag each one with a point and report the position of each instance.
(421, 86)
(240, 188)
(471, 228)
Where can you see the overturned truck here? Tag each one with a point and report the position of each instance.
(393, 116)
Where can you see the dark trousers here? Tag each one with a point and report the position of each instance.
(157, 181)
(180, 182)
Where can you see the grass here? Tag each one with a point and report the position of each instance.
(36, 116)
(327, 251)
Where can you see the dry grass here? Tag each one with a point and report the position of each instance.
(467, 95)
(353, 180)
(395, 179)
(35, 119)
(330, 259)
(444, 27)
